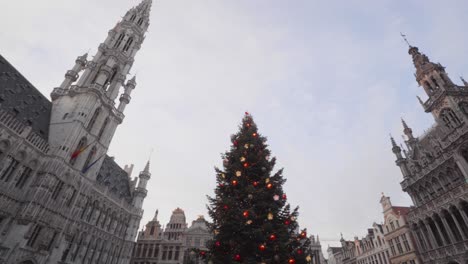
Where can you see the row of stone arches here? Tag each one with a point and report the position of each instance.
(437, 185)
(443, 228)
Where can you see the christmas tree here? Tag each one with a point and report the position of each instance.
(252, 222)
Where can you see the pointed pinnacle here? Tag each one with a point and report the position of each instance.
(147, 167)
(405, 126)
(393, 141)
(420, 101)
(463, 80)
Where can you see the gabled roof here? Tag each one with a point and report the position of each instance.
(20, 98)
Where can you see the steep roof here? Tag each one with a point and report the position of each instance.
(20, 98)
(115, 178)
(401, 209)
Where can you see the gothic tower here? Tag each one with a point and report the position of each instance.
(84, 112)
(434, 166)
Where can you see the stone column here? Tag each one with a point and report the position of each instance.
(439, 229)
(417, 238)
(431, 235)
(449, 230)
(460, 229)
(463, 214)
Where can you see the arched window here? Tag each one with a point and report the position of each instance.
(436, 184)
(103, 128)
(140, 21)
(133, 17)
(119, 40)
(89, 159)
(93, 118)
(449, 118)
(128, 44)
(80, 145)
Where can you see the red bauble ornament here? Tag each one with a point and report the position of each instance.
(235, 143)
(245, 214)
(262, 247)
(292, 261)
(255, 183)
(217, 243)
(254, 134)
(234, 183)
(303, 234)
(285, 197)
(225, 207)
(221, 185)
(246, 113)
(287, 222)
(237, 257)
(269, 186)
(202, 253)
(272, 237)
(299, 251)
(246, 165)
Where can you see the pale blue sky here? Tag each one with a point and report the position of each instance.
(326, 82)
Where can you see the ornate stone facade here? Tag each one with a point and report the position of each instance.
(172, 245)
(398, 234)
(435, 167)
(62, 199)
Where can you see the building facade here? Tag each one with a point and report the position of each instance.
(398, 234)
(173, 244)
(62, 199)
(335, 255)
(435, 167)
(316, 252)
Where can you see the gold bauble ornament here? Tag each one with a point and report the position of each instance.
(270, 216)
(242, 159)
(246, 146)
(248, 222)
(267, 180)
(238, 173)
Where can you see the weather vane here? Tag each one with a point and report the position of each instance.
(404, 38)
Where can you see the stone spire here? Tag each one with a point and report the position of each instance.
(84, 111)
(407, 130)
(155, 218)
(465, 83)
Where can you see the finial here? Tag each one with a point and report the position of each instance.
(156, 214)
(383, 194)
(406, 40)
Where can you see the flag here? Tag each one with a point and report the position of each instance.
(79, 151)
(92, 164)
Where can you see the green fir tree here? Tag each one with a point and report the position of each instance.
(252, 222)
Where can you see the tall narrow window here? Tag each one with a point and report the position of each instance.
(103, 128)
(140, 21)
(23, 178)
(128, 44)
(93, 118)
(405, 242)
(69, 202)
(51, 242)
(119, 40)
(32, 239)
(79, 147)
(133, 17)
(436, 84)
(89, 159)
(9, 168)
(449, 118)
(58, 188)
